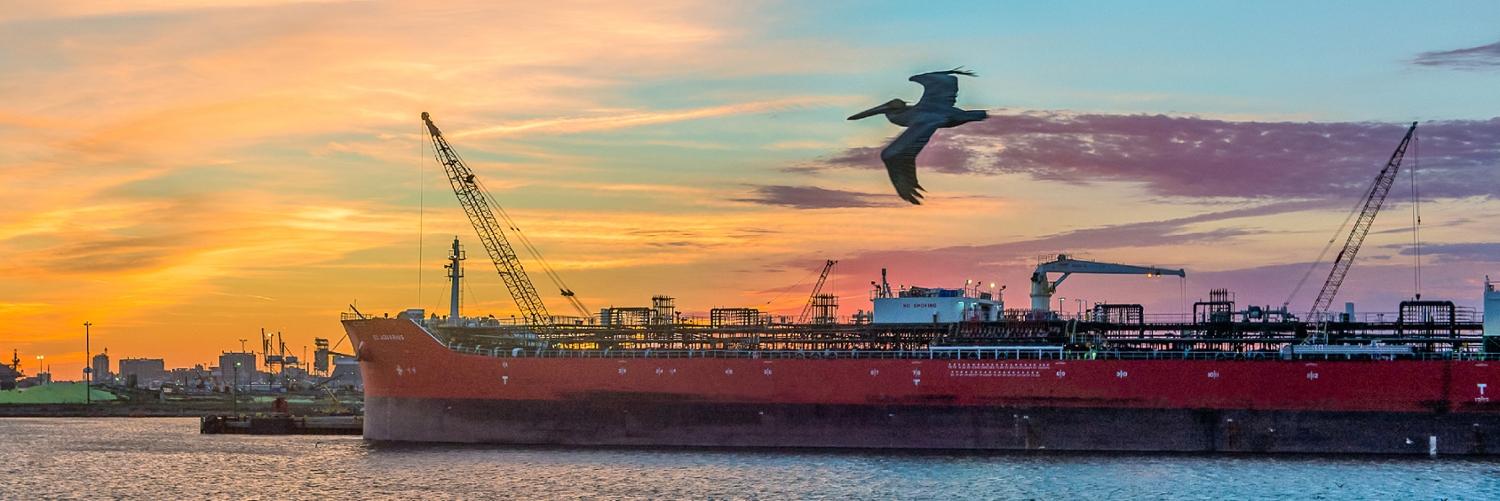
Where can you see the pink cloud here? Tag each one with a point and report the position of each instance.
(1199, 157)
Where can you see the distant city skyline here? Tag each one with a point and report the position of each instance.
(183, 174)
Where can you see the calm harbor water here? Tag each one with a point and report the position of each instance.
(166, 458)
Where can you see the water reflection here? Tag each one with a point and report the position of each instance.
(168, 459)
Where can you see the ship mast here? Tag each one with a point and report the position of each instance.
(455, 274)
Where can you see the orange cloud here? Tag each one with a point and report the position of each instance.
(584, 124)
(168, 175)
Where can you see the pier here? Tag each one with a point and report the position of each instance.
(281, 425)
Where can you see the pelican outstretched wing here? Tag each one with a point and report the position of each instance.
(939, 88)
(901, 157)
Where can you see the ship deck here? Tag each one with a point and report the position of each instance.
(1054, 338)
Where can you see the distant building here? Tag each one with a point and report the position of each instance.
(143, 371)
(294, 373)
(101, 372)
(346, 373)
(190, 377)
(245, 369)
(39, 379)
(8, 377)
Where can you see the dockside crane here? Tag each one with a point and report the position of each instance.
(477, 206)
(817, 298)
(1372, 204)
(1042, 288)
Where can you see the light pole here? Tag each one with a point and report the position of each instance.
(1061, 301)
(88, 368)
(39, 369)
(234, 390)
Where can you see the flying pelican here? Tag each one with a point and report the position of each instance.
(934, 111)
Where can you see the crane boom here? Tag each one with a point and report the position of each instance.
(1373, 201)
(1042, 288)
(477, 206)
(817, 289)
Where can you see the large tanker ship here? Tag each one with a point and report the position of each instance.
(936, 368)
(972, 376)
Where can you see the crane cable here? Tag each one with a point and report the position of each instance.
(789, 289)
(833, 279)
(1340, 231)
(421, 207)
(525, 242)
(1416, 212)
(547, 269)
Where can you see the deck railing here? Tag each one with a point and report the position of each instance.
(964, 353)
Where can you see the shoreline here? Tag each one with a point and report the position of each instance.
(118, 410)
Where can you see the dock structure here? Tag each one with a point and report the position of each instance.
(275, 424)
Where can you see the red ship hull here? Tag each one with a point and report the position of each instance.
(419, 390)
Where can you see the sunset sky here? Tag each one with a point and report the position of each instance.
(183, 174)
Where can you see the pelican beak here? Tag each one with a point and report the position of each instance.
(886, 107)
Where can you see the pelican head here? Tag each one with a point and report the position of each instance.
(892, 106)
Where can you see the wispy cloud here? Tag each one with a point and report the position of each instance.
(584, 124)
(803, 145)
(1484, 56)
(74, 8)
(244, 295)
(1484, 252)
(813, 197)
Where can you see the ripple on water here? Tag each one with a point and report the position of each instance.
(151, 459)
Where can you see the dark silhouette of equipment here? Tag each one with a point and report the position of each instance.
(821, 308)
